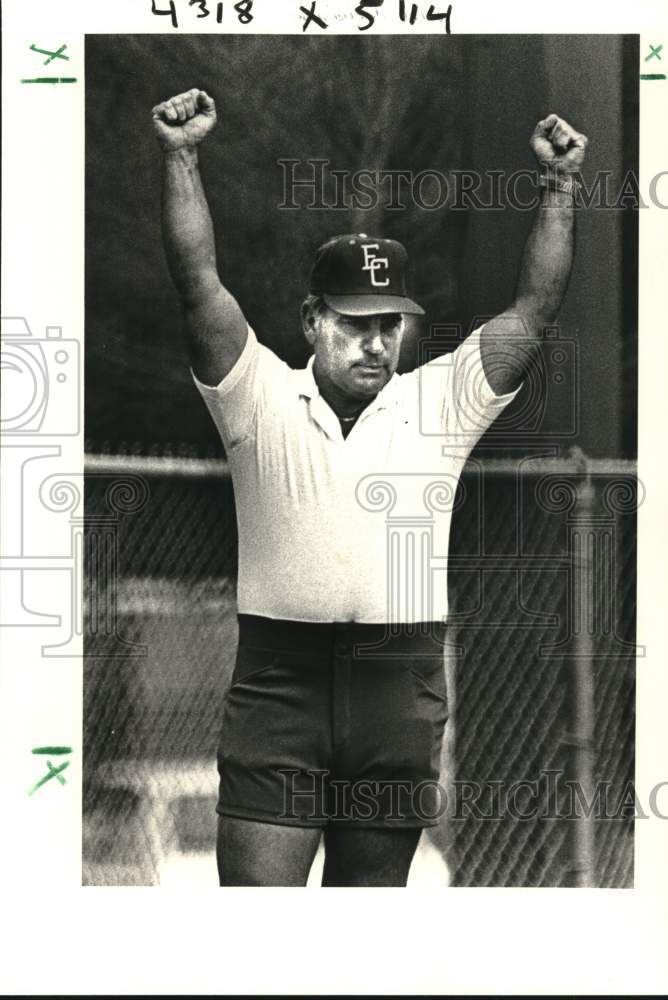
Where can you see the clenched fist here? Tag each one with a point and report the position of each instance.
(184, 120)
(558, 146)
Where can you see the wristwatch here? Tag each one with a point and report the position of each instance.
(553, 182)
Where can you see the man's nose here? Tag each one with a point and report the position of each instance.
(373, 341)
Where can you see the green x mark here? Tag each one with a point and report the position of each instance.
(52, 55)
(54, 772)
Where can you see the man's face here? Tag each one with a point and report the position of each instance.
(358, 354)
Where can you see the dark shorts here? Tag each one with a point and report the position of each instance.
(334, 723)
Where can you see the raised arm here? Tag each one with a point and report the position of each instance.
(214, 324)
(510, 341)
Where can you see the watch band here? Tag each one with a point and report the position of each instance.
(555, 183)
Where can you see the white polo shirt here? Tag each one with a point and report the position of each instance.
(354, 529)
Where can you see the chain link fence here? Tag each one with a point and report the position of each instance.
(541, 667)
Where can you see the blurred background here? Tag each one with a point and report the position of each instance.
(161, 530)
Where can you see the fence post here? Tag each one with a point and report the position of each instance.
(584, 541)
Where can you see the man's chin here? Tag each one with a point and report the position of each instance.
(369, 380)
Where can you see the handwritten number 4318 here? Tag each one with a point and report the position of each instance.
(243, 8)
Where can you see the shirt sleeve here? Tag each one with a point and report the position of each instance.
(454, 389)
(235, 401)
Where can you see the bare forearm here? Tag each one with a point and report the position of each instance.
(215, 327)
(510, 341)
(186, 224)
(547, 258)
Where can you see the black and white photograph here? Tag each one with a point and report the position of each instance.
(361, 341)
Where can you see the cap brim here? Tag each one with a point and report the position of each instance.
(369, 305)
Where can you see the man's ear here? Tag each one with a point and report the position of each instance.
(309, 323)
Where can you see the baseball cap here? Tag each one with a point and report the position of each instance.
(362, 275)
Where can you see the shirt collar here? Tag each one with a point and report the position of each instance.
(305, 382)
